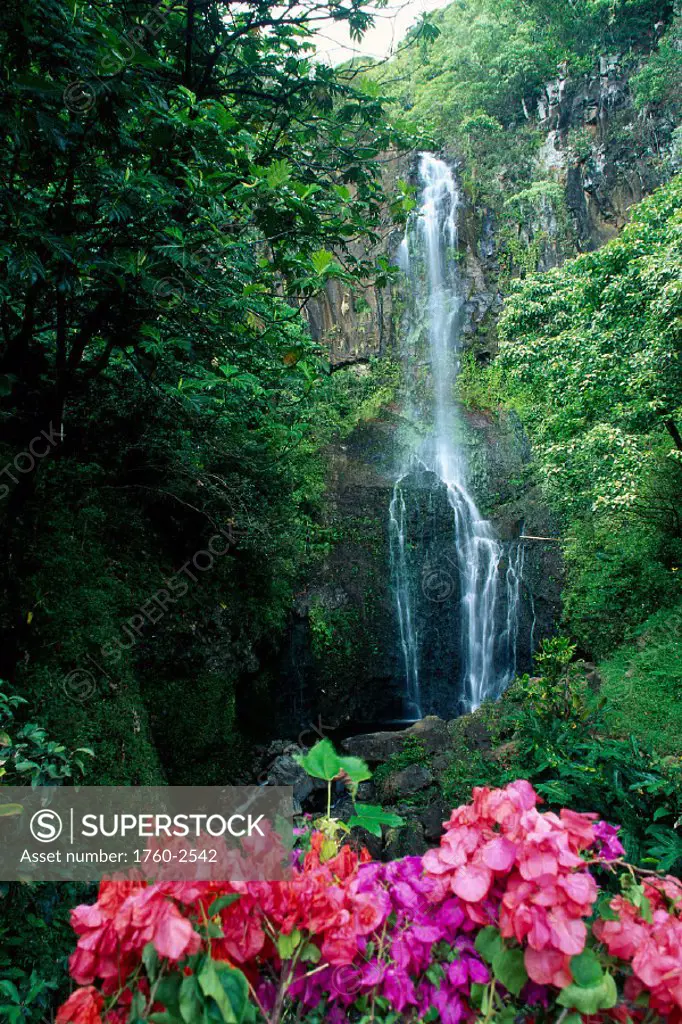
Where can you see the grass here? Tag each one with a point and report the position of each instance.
(642, 682)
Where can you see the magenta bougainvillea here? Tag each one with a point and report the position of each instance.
(518, 914)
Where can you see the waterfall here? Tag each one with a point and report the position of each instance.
(404, 599)
(488, 572)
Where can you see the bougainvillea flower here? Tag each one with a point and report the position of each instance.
(404, 931)
(84, 1006)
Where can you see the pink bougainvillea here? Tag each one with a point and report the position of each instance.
(502, 910)
(532, 863)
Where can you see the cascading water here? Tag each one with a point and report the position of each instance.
(489, 572)
(404, 599)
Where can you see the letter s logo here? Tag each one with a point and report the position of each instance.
(46, 826)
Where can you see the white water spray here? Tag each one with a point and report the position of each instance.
(488, 575)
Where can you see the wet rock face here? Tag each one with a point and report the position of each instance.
(343, 662)
(614, 166)
(354, 325)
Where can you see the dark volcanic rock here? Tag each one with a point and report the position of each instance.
(378, 747)
(406, 782)
(407, 841)
(284, 771)
(432, 820)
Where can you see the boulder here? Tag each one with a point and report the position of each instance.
(378, 747)
(284, 771)
(473, 731)
(440, 764)
(432, 819)
(406, 782)
(367, 793)
(406, 841)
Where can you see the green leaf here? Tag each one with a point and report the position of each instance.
(223, 901)
(604, 908)
(277, 173)
(150, 959)
(287, 944)
(489, 943)
(645, 909)
(477, 993)
(371, 818)
(510, 969)
(168, 994)
(357, 771)
(321, 260)
(435, 974)
(310, 954)
(8, 988)
(355, 768)
(588, 1000)
(227, 987)
(191, 1000)
(322, 761)
(586, 969)
(137, 1007)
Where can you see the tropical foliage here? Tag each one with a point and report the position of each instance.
(593, 352)
(179, 182)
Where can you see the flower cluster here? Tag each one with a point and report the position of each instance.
(649, 937)
(532, 864)
(497, 914)
(419, 954)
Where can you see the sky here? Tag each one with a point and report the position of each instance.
(391, 23)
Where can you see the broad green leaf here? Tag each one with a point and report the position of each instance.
(288, 944)
(510, 969)
(321, 761)
(357, 771)
(8, 988)
(477, 993)
(191, 1000)
(371, 818)
(604, 908)
(489, 943)
(603, 996)
(228, 988)
(277, 173)
(586, 969)
(223, 901)
(150, 959)
(168, 994)
(321, 260)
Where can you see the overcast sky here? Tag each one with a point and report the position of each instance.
(390, 25)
